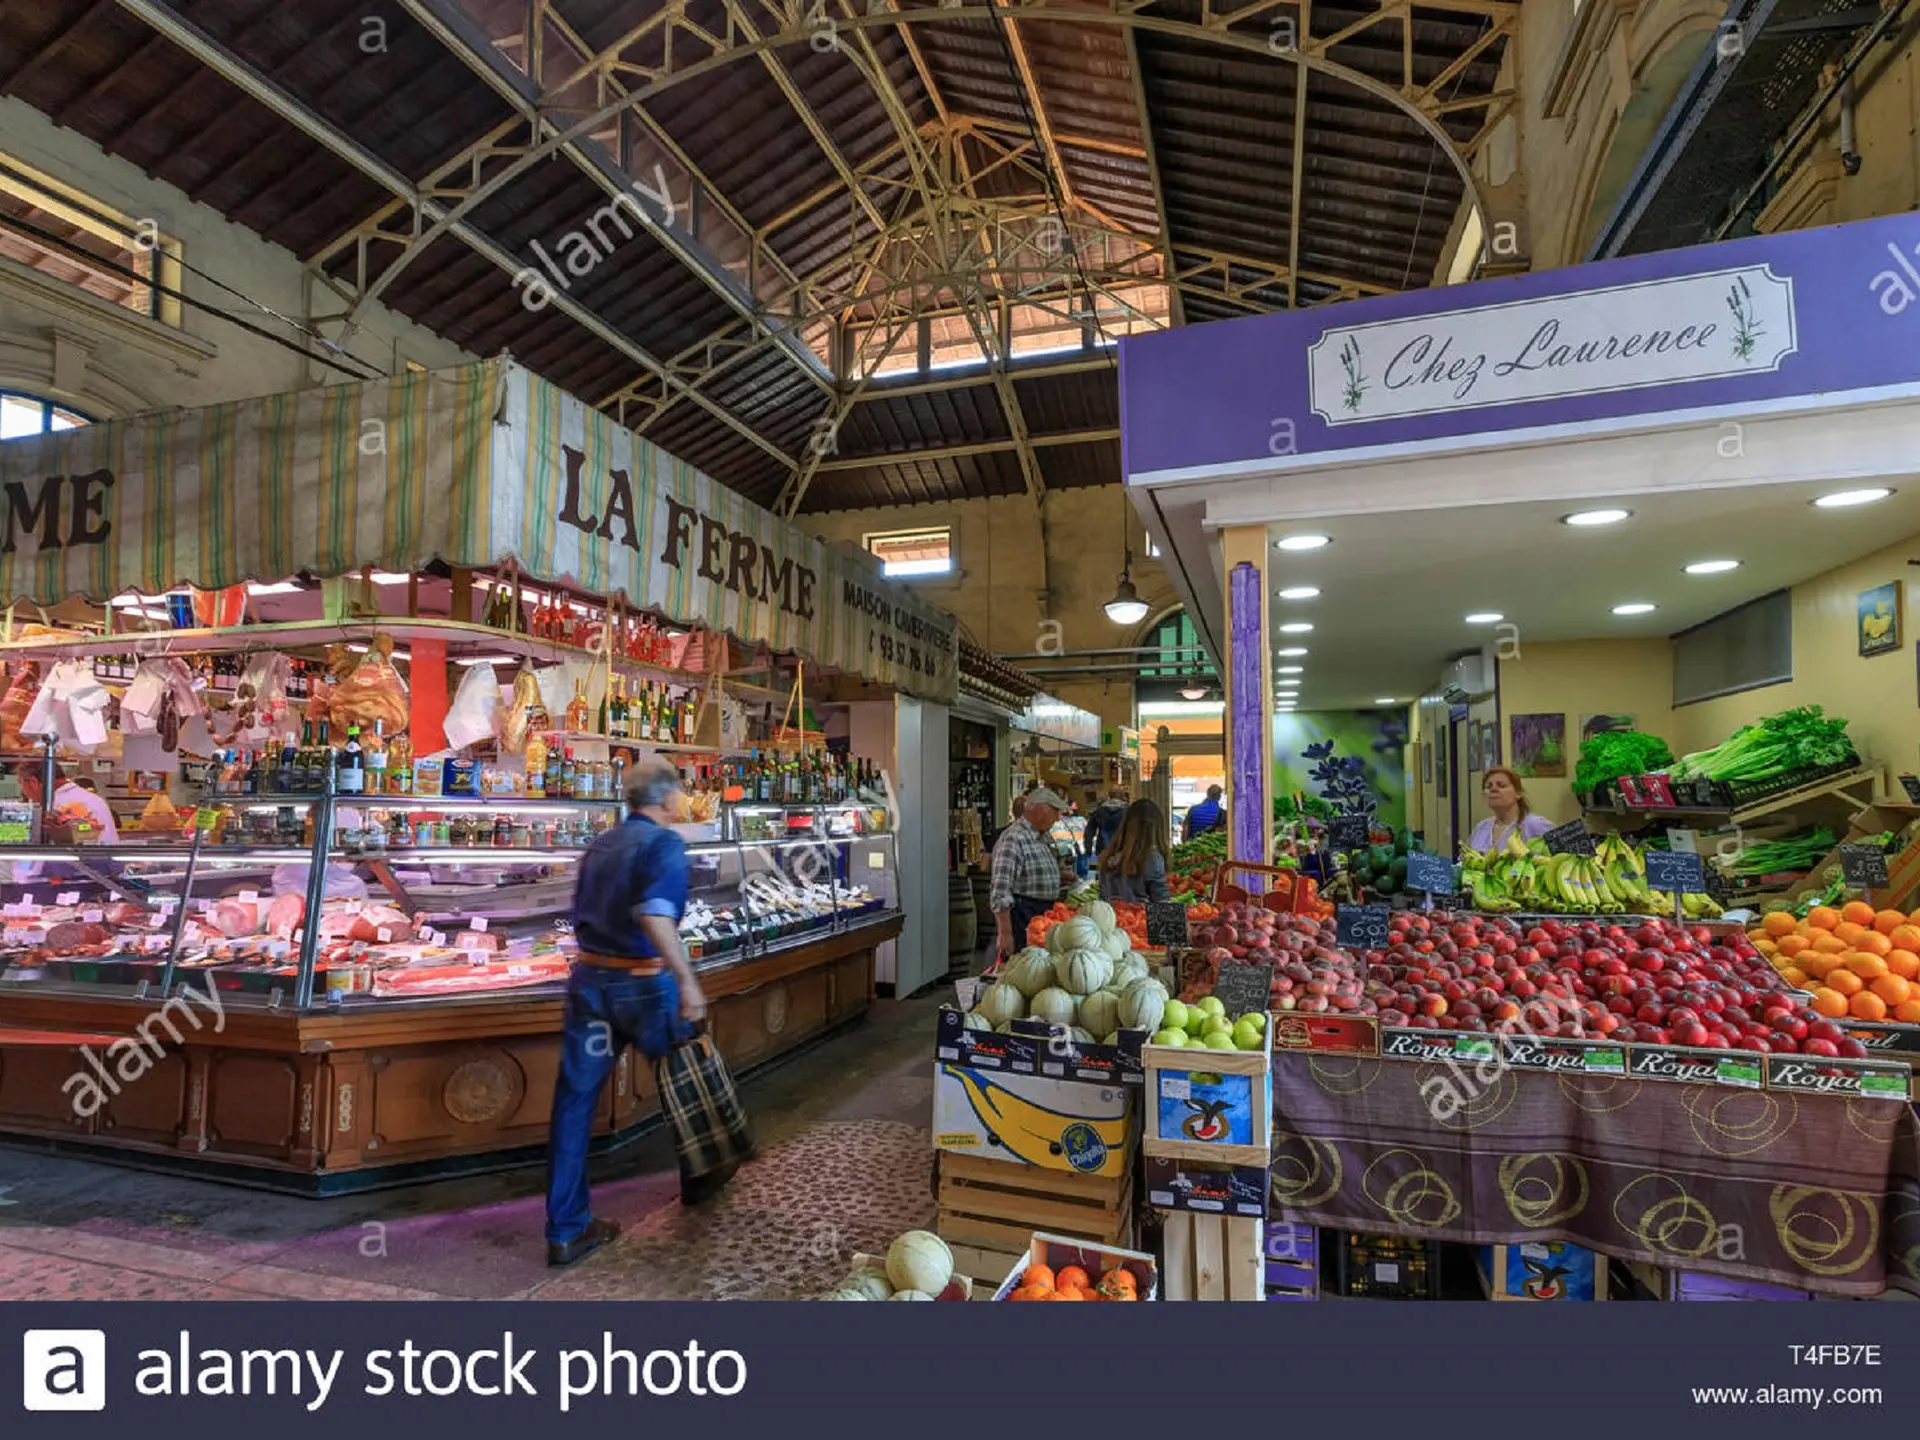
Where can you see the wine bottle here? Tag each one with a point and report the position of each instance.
(351, 777)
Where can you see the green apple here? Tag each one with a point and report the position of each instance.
(1170, 1037)
(1257, 1019)
(1246, 1034)
(1196, 1020)
(1213, 1005)
(1220, 1040)
(1175, 1017)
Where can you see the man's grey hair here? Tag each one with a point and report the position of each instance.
(652, 785)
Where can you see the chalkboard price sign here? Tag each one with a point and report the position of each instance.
(1166, 924)
(1361, 927)
(1348, 833)
(1675, 870)
(1865, 866)
(1431, 873)
(1911, 784)
(1244, 989)
(1569, 839)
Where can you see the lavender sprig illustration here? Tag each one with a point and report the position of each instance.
(1748, 329)
(1356, 379)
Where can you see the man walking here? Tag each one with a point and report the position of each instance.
(1026, 873)
(1103, 822)
(1209, 814)
(632, 985)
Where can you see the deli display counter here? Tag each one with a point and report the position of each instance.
(329, 996)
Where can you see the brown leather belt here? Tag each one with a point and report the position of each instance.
(638, 964)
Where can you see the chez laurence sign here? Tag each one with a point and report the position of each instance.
(1722, 323)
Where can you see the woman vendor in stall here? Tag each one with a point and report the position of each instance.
(1511, 814)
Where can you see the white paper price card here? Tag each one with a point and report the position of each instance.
(877, 860)
(1176, 1087)
(247, 897)
(384, 935)
(67, 897)
(1386, 1274)
(93, 917)
(478, 924)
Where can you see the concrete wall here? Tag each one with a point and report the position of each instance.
(1016, 576)
(60, 342)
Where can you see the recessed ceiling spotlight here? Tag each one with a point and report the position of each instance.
(1485, 617)
(1291, 650)
(1635, 607)
(1595, 517)
(1290, 670)
(1296, 627)
(1840, 499)
(1385, 700)
(1302, 542)
(1300, 592)
(1712, 567)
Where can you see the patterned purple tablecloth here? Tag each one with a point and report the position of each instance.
(1818, 1193)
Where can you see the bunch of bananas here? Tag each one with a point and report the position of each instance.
(1522, 875)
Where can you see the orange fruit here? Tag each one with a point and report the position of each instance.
(1830, 1003)
(1791, 945)
(1850, 931)
(1892, 989)
(1039, 1275)
(1867, 967)
(1064, 1293)
(1795, 977)
(1874, 943)
(1766, 947)
(1033, 1292)
(1845, 981)
(1858, 911)
(1071, 1277)
(1888, 921)
(1906, 937)
(1904, 963)
(1779, 923)
(1823, 917)
(1908, 1013)
(1867, 1006)
(1830, 944)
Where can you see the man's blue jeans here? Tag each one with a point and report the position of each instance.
(607, 1010)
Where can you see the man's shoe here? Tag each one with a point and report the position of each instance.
(597, 1233)
(702, 1189)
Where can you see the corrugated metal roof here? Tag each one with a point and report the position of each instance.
(1039, 111)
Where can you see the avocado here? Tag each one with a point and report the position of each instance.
(1399, 869)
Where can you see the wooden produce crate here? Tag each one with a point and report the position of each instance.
(989, 1210)
(1903, 870)
(1292, 1259)
(1212, 1257)
(1209, 1105)
(1059, 1251)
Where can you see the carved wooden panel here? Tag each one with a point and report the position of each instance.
(253, 1104)
(31, 1093)
(152, 1109)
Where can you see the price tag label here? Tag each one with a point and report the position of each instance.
(876, 861)
(1884, 1087)
(1431, 873)
(1176, 1087)
(1473, 1047)
(1571, 838)
(1166, 924)
(1362, 927)
(1674, 870)
(1349, 833)
(1604, 1062)
(477, 924)
(1864, 866)
(383, 935)
(1744, 1074)
(1244, 989)
(67, 897)
(93, 917)
(247, 897)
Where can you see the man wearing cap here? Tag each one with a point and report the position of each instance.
(1026, 873)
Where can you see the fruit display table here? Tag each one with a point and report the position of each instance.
(1810, 1191)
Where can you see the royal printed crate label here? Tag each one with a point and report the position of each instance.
(1397, 1043)
(1886, 1039)
(1206, 1189)
(1824, 1075)
(1677, 1063)
(1524, 1052)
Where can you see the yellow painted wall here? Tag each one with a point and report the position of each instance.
(1583, 677)
(1876, 695)
(999, 593)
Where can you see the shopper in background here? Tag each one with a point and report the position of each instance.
(1500, 788)
(631, 985)
(1026, 873)
(1103, 821)
(1134, 865)
(1209, 814)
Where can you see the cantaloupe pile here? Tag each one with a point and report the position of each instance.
(1859, 963)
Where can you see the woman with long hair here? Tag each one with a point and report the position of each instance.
(1134, 866)
(1500, 787)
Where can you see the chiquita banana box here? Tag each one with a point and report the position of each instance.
(1034, 1099)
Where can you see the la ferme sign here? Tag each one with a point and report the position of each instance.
(1736, 321)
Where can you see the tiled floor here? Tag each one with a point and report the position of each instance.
(845, 1165)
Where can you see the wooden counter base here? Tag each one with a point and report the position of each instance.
(340, 1099)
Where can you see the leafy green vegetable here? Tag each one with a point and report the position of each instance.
(1796, 739)
(1799, 851)
(1618, 752)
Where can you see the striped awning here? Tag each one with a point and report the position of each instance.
(472, 466)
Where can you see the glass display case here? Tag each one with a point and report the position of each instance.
(416, 899)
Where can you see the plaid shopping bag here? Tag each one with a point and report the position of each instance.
(700, 1103)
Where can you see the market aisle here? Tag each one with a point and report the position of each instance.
(845, 1166)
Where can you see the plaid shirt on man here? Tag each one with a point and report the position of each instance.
(1024, 865)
